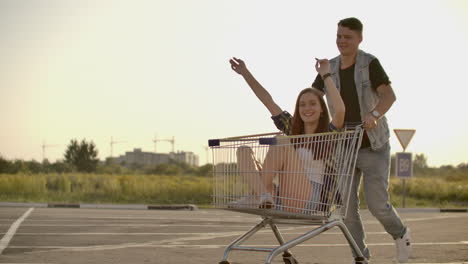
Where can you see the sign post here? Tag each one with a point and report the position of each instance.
(404, 169)
(404, 160)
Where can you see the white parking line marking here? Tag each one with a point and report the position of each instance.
(11, 232)
(178, 245)
(134, 225)
(140, 218)
(112, 234)
(242, 218)
(171, 233)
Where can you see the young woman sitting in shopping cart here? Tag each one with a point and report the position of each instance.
(311, 116)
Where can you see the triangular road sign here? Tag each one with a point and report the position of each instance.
(404, 136)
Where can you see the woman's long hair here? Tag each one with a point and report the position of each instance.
(324, 120)
(315, 144)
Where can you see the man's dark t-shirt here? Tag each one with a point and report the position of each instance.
(348, 91)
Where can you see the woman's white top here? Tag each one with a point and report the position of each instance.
(314, 169)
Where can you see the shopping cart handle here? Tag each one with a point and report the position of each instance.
(353, 125)
(261, 141)
(213, 142)
(267, 141)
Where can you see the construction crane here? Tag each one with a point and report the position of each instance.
(156, 140)
(112, 143)
(44, 146)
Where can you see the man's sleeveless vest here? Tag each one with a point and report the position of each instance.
(367, 96)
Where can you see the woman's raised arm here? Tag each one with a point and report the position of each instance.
(323, 68)
(238, 66)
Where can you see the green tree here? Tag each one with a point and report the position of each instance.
(83, 156)
(34, 166)
(60, 167)
(420, 163)
(5, 165)
(205, 170)
(167, 169)
(19, 166)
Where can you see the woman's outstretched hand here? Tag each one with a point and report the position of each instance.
(322, 66)
(238, 65)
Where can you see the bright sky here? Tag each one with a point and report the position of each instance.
(131, 69)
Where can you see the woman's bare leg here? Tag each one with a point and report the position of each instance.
(249, 170)
(295, 187)
(295, 192)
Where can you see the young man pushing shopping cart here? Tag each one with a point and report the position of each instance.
(368, 95)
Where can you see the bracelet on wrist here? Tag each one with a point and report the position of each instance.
(325, 76)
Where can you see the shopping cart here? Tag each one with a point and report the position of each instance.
(302, 179)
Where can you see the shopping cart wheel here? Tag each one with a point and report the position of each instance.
(289, 259)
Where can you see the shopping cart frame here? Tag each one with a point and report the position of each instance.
(272, 217)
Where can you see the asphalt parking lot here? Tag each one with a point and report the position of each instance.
(65, 235)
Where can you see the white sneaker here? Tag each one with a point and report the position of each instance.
(249, 201)
(266, 201)
(403, 247)
(253, 201)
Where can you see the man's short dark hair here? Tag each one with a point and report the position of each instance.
(351, 23)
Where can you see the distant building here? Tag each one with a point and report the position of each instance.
(185, 157)
(150, 158)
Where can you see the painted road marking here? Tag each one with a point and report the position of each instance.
(208, 223)
(148, 245)
(238, 218)
(133, 225)
(171, 234)
(11, 232)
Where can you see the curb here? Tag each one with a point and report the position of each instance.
(190, 207)
(63, 205)
(454, 210)
(432, 210)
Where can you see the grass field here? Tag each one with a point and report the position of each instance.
(421, 191)
(430, 192)
(102, 188)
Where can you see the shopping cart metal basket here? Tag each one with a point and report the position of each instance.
(302, 179)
